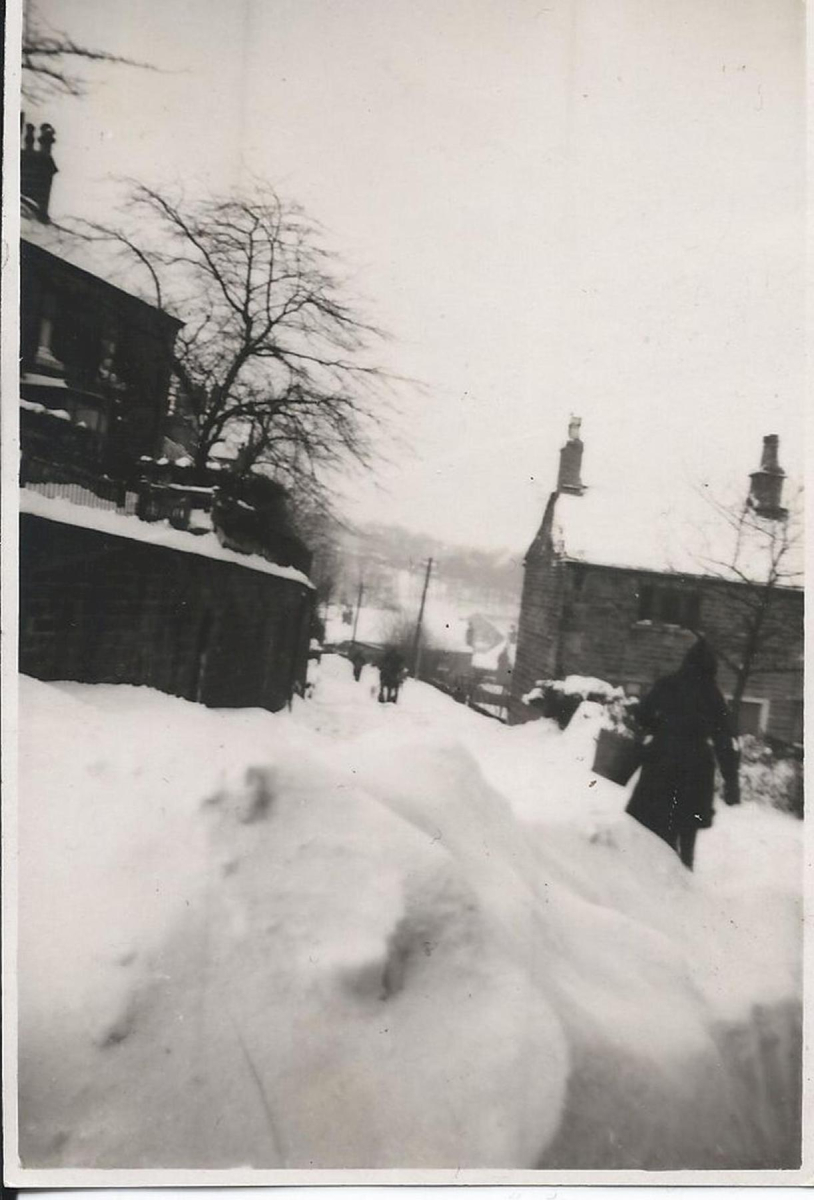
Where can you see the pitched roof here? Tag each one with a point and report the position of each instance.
(100, 259)
(681, 533)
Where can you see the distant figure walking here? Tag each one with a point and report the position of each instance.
(390, 676)
(358, 661)
(688, 718)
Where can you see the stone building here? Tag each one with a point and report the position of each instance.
(616, 588)
(95, 366)
(130, 572)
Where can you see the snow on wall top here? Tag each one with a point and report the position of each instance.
(158, 533)
(667, 534)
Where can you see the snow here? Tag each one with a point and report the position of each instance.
(375, 626)
(444, 627)
(34, 379)
(224, 451)
(97, 257)
(364, 935)
(35, 407)
(156, 533)
(489, 660)
(588, 685)
(187, 487)
(201, 519)
(84, 496)
(574, 685)
(632, 528)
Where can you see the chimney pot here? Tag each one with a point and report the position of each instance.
(766, 490)
(47, 138)
(37, 168)
(569, 476)
(769, 460)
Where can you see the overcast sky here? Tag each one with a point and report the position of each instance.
(555, 206)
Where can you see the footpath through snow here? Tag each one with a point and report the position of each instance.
(363, 935)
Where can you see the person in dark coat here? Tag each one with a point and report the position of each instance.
(690, 726)
(390, 676)
(358, 661)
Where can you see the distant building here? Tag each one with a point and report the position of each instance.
(616, 587)
(95, 367)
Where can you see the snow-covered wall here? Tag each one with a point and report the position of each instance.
(98, 607)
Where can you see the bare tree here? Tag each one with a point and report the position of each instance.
(321, 531)
(272, 360)
(398, 633)
(50, 59)
(764, 562)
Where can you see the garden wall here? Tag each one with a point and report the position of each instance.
(101, 608)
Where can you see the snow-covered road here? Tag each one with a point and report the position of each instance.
(363, 935)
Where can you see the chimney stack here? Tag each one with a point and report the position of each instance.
(569, 477)
(37, 168)
(766, 491)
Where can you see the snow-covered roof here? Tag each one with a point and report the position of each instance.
(156, 533)
(102, 259)
(80, 252)
(445, 629)
(489, 660)
(679, 533)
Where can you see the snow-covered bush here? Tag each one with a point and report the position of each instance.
(770, 777)
(559, 699)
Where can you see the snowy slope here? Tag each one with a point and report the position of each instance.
(360, 935)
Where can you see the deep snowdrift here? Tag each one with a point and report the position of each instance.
(386, 936)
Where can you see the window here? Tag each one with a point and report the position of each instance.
(754, 715)
(670, 604)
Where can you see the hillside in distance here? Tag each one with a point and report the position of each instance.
(390, 563)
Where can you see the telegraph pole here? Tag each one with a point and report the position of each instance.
(417, 638)
(358, 608)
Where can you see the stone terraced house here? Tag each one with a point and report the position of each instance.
(617, 591)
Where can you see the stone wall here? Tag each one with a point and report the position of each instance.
(539, 626)
(584, 620)
(100, 608)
